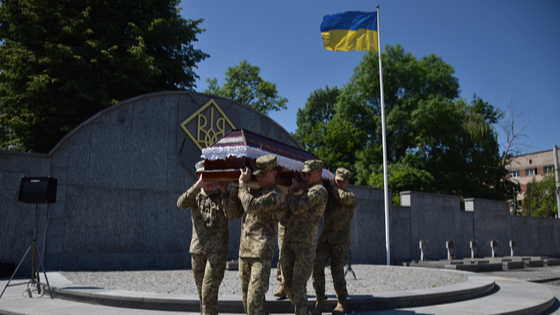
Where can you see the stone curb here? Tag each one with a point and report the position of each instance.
(476, 285)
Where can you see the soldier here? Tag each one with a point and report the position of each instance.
(300, 240)
(261, 212)
(210, 236)
(334, 242)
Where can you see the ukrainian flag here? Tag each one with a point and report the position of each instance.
(352, 30)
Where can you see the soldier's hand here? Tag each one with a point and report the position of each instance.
(245, 176)
(199, 183)
(295, 186)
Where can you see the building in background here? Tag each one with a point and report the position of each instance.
(524, 168)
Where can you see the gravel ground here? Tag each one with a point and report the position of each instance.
(369, 279)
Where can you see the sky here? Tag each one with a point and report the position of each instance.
(504, 51)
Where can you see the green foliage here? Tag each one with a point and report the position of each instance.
(244, 85)
(402, 177)
(319, 108)
(330, 143)
(436, 142)
(63, 61)
(540, 198)
(407, 81)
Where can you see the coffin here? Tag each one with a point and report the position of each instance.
(240, 148)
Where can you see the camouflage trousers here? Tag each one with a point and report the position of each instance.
(338, 253)
(297, 265)
(208, 271)
(281, 231)
(254, 274)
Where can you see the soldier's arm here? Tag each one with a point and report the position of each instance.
(346, 198)
(308, 200)
(188, 199)
(232, 205)
(252, 204)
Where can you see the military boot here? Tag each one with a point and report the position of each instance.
(319, 306)
(280, 293)
(340, 307)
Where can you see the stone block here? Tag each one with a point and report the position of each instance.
(60, 192)
(151, 113)
(118, 116)
(534, 263)
(56, 227)
(490, 267)
(513, 265)
(552, 262)
(473, 268)
(60, 157)
(173, 261)
(54, 244)
(60, 174)
(57, 209)
(20, 163)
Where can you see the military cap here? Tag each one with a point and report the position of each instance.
(265, 163)
(199, 166)
(342, 174)
(312, 165)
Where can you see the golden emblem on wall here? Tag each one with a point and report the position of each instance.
(208, 125)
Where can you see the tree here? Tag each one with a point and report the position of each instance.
(514, 144)
(407, 81)
(457, 144)
(402, 177)
(319, 108)
(330, 142)
(437, 142)
(63, 61)
(540, 198)
(244, 85)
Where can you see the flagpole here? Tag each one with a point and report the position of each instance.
(385, 181)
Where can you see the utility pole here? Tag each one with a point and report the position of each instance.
(557, 175)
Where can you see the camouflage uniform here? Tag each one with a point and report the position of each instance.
(262, 210)
(300, 240)
(209, 243)
(281, 231)
(334, 242)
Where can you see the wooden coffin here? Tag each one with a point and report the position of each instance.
(240, 148)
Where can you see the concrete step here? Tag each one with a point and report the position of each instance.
(476, 285)
(508, 297)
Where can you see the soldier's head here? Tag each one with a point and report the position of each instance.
(207, 186)
(312, 170)
(341, 177)
(266, 170)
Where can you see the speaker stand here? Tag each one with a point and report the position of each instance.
(36, 263)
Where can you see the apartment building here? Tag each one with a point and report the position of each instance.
(524, 168)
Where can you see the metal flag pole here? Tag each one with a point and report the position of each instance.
(385, 181)
(557, 178)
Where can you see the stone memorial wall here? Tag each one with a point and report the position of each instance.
(120, 174)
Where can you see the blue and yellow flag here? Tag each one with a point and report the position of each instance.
(352, 30)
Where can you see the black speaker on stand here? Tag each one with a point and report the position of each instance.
(35, 190)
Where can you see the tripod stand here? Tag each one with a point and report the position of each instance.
(36, 263)
(349, 269)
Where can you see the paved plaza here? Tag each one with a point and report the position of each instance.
(375, 290)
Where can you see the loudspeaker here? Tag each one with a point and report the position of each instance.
(37, 190)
